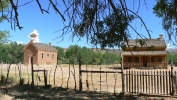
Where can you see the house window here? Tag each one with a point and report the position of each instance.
(160, 59)
(42, 55)
(52, 56)
(48, 55)
(136, 59)
(129, 59)
(152, 59)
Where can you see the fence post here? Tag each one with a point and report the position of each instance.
(123, 82)
(32, 73)
(45, 77)
(172, 79)
(80, 77)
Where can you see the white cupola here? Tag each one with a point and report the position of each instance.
(34, 36)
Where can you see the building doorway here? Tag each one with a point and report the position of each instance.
(144, 61)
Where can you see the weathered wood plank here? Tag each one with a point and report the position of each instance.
(146, 81)
(170, 86)
(167, 86)
(155, 82)
(135, 84)
(163, 83)
(143, 81)
(129, 82)
(152, 86)
(138, 82)
(149, 82)
(158, 83)
(92, 71)
(132, 81)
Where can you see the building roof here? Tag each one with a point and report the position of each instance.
(149, 42)
(46, 47)
(144, 53)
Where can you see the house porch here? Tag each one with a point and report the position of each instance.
(136, 61)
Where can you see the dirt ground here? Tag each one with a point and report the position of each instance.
(98, 86)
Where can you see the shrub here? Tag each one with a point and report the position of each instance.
(22, 80)
(37, 64)
(12, 79)
(3, 78)
(59, 62)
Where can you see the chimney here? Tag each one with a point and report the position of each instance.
(50, 43)
(161, 36)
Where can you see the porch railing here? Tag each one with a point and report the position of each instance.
(132, 64)
(140, 64)
(157, 64)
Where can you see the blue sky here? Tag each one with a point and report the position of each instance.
(31, 18)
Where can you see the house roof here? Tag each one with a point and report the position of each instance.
(46, 47)
(144, 53)
(149, 42)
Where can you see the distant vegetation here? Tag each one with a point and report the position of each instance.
(74, 53)
(13, 53)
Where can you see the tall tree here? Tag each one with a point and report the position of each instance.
(61, 54)
(73, 53)
(4, 35)
(167, 10)
(12, 52)
(88, 14)
(86, 55)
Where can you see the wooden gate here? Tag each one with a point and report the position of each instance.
(102, 77)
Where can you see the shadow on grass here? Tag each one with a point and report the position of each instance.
(58, 93)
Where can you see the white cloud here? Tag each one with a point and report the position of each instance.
(19, 42)
(168, 45)
(35, 32)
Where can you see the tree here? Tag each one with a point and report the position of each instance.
(111, 58)
(61, 54)
(85, 16)
(73, 53)
(86, 55)
(167, 10)
(12, 52)
(4, 35)
(4, 5)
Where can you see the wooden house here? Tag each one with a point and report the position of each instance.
(151, 54)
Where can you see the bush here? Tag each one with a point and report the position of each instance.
(59, 62)
(3, 78)
(12, 79)
(21, 82)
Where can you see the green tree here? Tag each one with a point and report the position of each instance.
(61, 54)
(86, 55)
(12, 52)
(4, 35)
(98, 58)
(73, 53)
(167, 10)
(84, 18)
(107, 32)
(15, 52)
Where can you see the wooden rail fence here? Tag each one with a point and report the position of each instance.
(151, 82)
